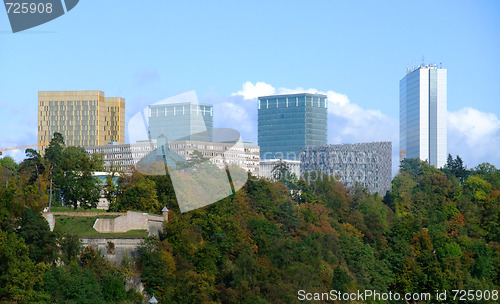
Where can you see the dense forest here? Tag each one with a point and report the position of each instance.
(438, 229)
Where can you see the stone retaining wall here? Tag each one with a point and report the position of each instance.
(131, 221)
(114, 250)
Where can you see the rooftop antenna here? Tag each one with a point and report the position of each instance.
(440, 65)
(423, 60)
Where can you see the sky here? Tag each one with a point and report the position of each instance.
(230, 52)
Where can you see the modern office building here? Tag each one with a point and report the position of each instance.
(125, 157)
(84, 118)
(245, 155)
(422, 131)
(288, 123)
(368, 164)
(181, 121)
(122, 157)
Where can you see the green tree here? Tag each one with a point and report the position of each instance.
(19, 276)
(72, 284)
(137, 192)
(34, 166)
(53, 158)
(77, 183)
(110, 189)
(11, 206)
(8, 169)
(196, 159)
(281, 172)
(35, 231)
(489, 173)
(157, 265)
(456, 168)
(70, 247)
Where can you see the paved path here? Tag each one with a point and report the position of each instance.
(87, 214)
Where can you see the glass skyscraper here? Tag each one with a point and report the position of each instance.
(181, 121)
(288, 123)
(422, 121)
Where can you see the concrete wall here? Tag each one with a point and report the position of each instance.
(124, 222)
(155, 224)
(131, 221)
(50, 219)
(88, 214)
(114, 250)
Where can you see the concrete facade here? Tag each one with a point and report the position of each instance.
(123, 157)
(132, 221)
(368, 164)
(245, 156)
(267, 166)
(49, 217)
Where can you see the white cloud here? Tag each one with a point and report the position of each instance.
(347, 122)
(475, 136)
(238, 115)
(251, 91)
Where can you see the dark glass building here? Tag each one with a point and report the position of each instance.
(288, 123)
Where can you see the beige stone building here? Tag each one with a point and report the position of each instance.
(84, 118)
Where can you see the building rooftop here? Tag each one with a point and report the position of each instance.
(162, 105)
(422, 66)
(293, 95)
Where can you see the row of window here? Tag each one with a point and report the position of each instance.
(69, 103)
(293, 102)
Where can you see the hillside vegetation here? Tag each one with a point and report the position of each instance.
(436, 230)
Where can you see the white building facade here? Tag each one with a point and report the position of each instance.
(422, 129)
(267, 166)
(245, 155)
(125, 157)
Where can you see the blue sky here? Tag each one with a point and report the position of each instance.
(357, 51)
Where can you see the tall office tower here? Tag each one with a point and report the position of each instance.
(84, 118)
(367, 164)
(181, 121)
(422, 124)
(288, 123)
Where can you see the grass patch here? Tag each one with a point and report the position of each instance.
(82, 227)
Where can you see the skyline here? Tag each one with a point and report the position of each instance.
(230, 53)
